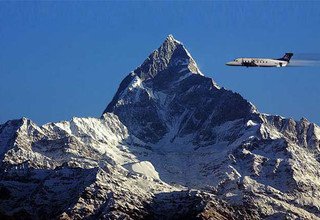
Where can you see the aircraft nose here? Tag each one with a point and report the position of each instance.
(232, 63)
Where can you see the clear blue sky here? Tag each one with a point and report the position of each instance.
(64, 59)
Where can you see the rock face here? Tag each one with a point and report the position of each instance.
(171, 144)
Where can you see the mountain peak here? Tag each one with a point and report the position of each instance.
(171, 57)
(171, 39)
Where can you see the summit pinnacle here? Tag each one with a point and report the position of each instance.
(171, 56)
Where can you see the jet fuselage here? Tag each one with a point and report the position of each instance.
(262, 62)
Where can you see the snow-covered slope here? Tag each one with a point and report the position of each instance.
(171, 144)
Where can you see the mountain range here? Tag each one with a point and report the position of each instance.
(172, 144)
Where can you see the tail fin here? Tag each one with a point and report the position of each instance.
(286, 57)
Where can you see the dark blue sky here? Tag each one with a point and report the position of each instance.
(64, 59)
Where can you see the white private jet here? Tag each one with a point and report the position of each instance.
(262, 62)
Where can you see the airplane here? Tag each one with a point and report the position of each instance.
(262, 62)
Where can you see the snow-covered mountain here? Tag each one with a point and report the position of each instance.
(171, 144)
